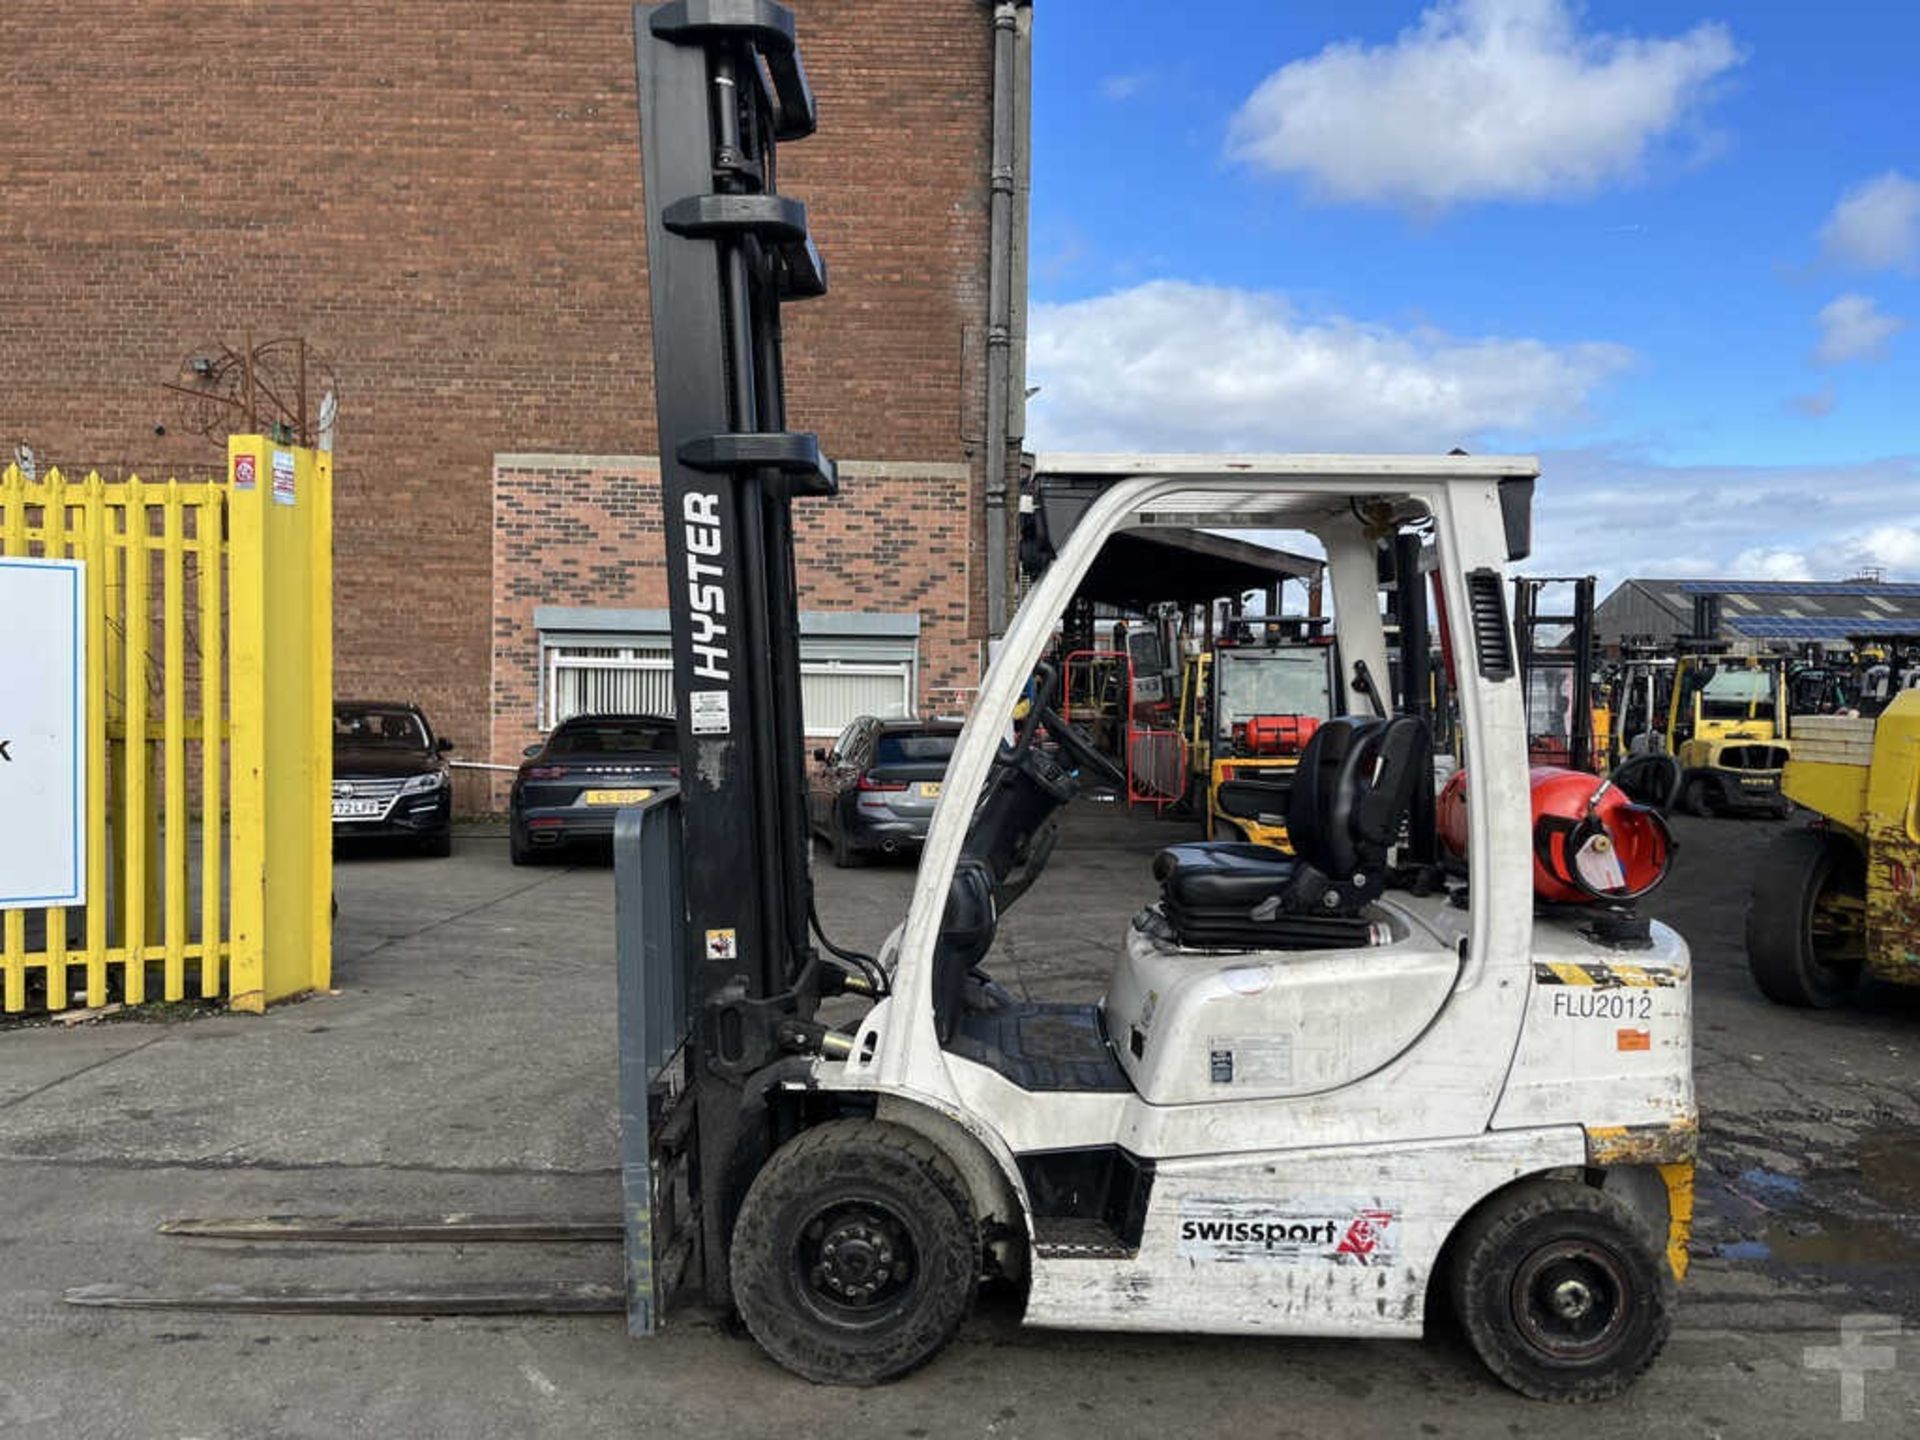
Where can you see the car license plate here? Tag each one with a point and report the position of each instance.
(930, 789)
(359, 809)
(615, 797)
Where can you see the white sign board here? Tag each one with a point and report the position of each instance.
(43, 772)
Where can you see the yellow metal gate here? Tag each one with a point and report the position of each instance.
(208, 629)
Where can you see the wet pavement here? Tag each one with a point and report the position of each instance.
(467, 1063)
(1810, 1134)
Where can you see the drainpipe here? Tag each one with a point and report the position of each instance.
(1007, 288)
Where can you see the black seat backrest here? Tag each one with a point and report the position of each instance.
(1352, 791)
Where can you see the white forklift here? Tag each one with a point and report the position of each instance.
(1319, 1089)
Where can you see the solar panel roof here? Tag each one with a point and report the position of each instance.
(1857, 589)
(1836, 627)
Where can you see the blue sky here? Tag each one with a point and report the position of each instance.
(1672, 247)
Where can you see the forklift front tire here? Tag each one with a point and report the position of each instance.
(856, 1255)
(1561, 1293)
(1806, 921)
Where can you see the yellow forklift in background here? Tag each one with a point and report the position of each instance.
(1727, 726)
(1638, 695)
(1196, 672)
(1838, 901)
(1269, 685)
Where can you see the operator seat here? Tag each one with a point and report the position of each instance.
(1350, 796)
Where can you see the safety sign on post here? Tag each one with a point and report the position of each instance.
(43, 774)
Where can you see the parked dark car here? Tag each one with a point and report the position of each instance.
(390, 777)
(874, 791)
(571, 785)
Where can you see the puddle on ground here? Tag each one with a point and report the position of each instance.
(1771, 1184)
(1832, 1240)
(1804, 1230)
(1890, 1168)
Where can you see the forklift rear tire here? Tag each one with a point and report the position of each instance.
(1561, 1291)
(1697, 799)
(856, 1256)
(1805, 938)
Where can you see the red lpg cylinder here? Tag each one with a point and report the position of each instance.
(1590, 842)
(1268, 735)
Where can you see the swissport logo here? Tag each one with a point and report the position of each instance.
(1366, 1235)
(1317, 1232)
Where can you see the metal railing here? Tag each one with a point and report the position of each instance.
(207, 736)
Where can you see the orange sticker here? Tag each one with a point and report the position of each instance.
(1633, 1039)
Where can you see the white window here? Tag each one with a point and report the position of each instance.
(833, 692)
(620, 662)
(638, 680)
(606, 680)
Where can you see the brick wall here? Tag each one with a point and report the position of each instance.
(585, 530)
(444, 197)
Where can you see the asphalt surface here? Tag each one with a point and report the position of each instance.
(467, 1063)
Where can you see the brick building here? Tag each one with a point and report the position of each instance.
(443, 197)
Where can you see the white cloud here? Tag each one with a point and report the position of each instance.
(1602, 512)
(1876, 225)
(1766, 564)
(1122, 87)
(1854, 327)
(1482, 99)
(1176, 366)
(1895, 546)
(1171, 366)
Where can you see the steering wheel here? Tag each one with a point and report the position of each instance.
(1046, 683)
(1081, 750)
(1041, 715)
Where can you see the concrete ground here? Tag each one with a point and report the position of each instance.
(467, 1062)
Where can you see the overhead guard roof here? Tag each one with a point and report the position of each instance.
(1137, 568)
(1066, 464)
(1172, 561)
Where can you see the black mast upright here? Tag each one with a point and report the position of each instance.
(721, 86)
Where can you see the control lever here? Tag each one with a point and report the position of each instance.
(1363, 681)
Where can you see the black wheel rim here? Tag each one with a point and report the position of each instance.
(855, 1264)
(1571, 1300)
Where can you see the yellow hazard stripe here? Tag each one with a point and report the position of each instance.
(1602, 976)
(1679, 1182)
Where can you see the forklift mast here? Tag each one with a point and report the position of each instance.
(718, 978)
(720, 85)
(1551, 642)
